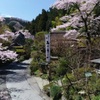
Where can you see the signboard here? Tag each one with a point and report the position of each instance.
(47, 47)
(88, 74)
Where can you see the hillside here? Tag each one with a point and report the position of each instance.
(15, 24)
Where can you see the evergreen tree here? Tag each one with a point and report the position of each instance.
(43, 22)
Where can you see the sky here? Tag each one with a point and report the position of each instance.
(25, 9)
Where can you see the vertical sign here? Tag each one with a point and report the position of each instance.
(47, 47)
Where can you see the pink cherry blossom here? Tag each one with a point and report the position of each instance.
(6, 55)
(71, 34)
(6, 35)
(26, 33)
(64, 4)
(84, 13)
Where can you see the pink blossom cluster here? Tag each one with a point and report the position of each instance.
(7, 55)
(71, 34)
(6, 35)
(26, 33)
(87, 5)
(75, 20)
(65, 4)
(65, 18)
(61, 26)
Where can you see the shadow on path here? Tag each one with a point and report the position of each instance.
(6, 72)
(11, 73)
(15, 71)
(4, 94)
(15, 66)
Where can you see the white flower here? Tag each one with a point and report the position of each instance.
(75, 22)
(71, 34)
(6, 55)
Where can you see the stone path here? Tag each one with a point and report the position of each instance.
(4, 94)
(17, 84)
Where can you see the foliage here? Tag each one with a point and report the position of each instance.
(71, 67)
(69, 28)
(55, 92)
(20, 51)
(38, 58)
(24, 51)
(5, 43)
(38, 52)
(39, 42)
(34, 67)
(63, 67)
(40, 36)
(97, 10)
(45, 20)
(6, 55)
(18, 47)
(83, 17)
(56, 22)
(44, 76)
(96, 98)
(27, 48)
(3, 28)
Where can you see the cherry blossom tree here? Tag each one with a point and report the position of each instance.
(81, 21)
(6, 55)
(83, 17)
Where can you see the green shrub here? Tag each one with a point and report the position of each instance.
(62, 67)
(69, 28)
(44, 76)
(79, 73)
(37, 73)
(20, 50)
(46, 88)
(18, 47)
(96, 98)
(61, 71)
(34, 66)
(55, 92)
